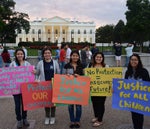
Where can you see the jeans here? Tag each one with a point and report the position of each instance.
(1, 62)
(20, 113)
(62, 64)
(137, 120)
(127, 61)
(77, 116)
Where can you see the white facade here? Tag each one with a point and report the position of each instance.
(57, 29)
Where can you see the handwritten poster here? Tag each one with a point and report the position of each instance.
(131, 95)
(36, 95)
(101, 80)
(12, 77)
(71, 90)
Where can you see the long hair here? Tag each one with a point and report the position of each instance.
(16, 59)
(138, 68)
(76, 52)
(45, 49)
(94, 61)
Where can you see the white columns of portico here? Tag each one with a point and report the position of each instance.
(93, 37)
(60, 38)
(69, 35)
(44, 34)
(52, 34)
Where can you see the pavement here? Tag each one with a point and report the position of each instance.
(113, 119)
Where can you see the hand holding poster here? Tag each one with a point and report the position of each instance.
(101, 80)
(12, 77)
(36, 95)
(131, 95)
(71, 90)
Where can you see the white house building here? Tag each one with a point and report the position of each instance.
(57, 29)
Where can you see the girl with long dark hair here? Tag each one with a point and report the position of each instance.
(21, 115)
(74, 67)
(136, 71)
(98, 101)
(45, 71)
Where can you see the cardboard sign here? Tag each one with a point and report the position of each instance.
(12, 77)
(71, 90)
(37, 95)
(101, 80)
(131, 95)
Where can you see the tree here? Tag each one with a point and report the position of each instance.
(119, 32)
(11, 21)
(104, 34)
(138, 19)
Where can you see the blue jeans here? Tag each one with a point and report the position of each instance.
(1, 62)
(62, 64)
(20, 113)
(127, 61)
(77, 116)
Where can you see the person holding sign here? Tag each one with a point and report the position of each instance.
(136, 71)
(45, 71)
(75, 68)
(98, 101)
(21, 115)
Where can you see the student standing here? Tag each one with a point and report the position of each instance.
(136, 71)
(74, 67)
(98, 101)
(129, 52)
(6, 57)
(45, 71)
(62, 58)
(21, 114)
(118, 52)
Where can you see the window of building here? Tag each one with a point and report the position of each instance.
(63, 39)
(78, 31)
(49, 39)
(78, 40)
(90, 31)
(72, 31)
(26, 39)
(63, 31)
(56, 31)
(39, 39)
(33, 31)
(39, 31)
(33, 39)
(49, 31)
(90, 40)
(84, 39)
(20, 39)
(84, 31)
(72, 40)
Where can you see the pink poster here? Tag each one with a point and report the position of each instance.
(12, 77)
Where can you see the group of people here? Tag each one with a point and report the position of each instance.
(7, 56)
(118, 53)
(73, 66)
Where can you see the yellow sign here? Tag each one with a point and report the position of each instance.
(101, 79)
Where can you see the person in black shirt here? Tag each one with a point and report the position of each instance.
(74, 67)
(136, 71)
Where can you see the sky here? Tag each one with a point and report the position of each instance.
(102, 12)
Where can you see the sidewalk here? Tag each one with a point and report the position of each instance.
(113, 119)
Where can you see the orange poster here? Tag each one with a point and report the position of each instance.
(71, 90)
(37, 95)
